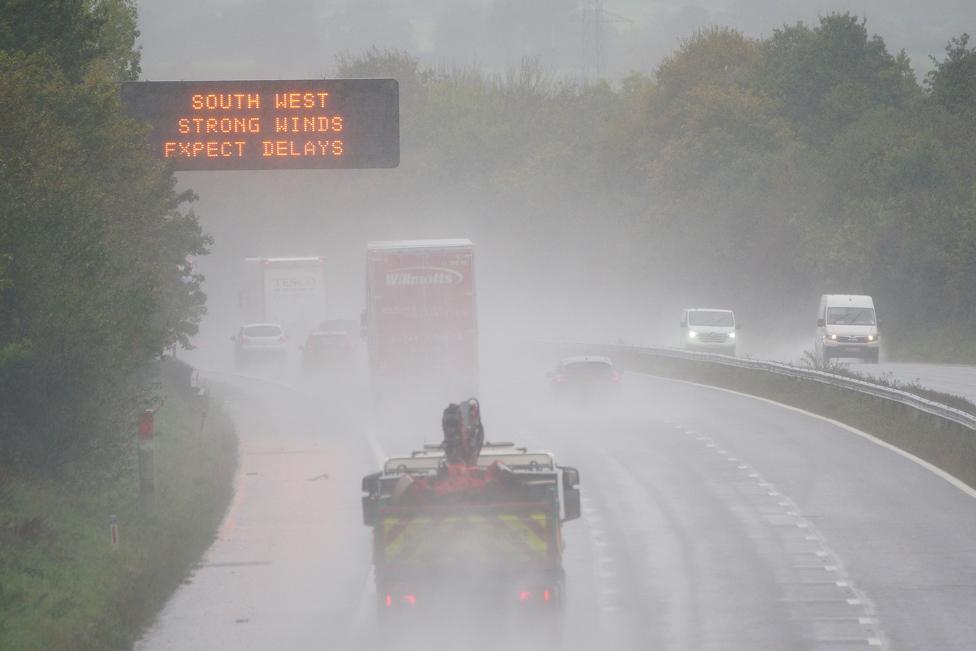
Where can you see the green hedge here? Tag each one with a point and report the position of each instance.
(62, 586)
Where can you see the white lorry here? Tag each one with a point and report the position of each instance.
(286, 291)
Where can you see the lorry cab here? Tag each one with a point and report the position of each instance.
(847, 326)
(708, 329)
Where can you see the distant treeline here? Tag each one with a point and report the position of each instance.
(94, 269)
(807, 162)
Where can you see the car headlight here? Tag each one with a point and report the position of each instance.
(731, 335)
(833, 337)
(692, 334)
(872, 337)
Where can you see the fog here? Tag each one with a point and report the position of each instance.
(580, 271)
(230, 39)
(566, 249)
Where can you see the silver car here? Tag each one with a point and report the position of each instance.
(260, 341)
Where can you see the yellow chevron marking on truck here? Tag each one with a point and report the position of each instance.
(416, 537)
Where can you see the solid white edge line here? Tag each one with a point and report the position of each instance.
(939, 472)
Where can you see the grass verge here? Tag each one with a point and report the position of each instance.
(62, 585)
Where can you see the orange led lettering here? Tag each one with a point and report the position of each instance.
(267, 148)
(225, 101)
(337, 148)
(309, 148)
(307, 124)
(221, 125)
(168, 149)
(296, 100)
(197, 149)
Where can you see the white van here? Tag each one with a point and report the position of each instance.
(708, 329)
(847, 326)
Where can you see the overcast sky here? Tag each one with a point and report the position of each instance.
(201, 39)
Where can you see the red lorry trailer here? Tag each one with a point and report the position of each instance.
(487, 551)
(420, 321)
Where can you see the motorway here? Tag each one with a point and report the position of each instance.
(711, 521)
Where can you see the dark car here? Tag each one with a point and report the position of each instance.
(326, 349)
(584, 373)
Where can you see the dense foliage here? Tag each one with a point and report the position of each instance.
(95, 245)
(756, 172)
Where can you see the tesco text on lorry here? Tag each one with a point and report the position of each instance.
(256, 125)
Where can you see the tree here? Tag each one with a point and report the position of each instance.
(952, 81)
(824, 78)
(95, 237)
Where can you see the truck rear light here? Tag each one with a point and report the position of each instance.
(546, 595)
(410, 599)
(388, 600)
(243, 339)
(524, 596)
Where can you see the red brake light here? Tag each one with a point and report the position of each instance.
(558, 379)
(283, 338)
(615, 376)
(410, 599)
(524, 595)
(545, 595)
(389, 600)
(243, 339)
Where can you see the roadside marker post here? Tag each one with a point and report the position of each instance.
(113, 529)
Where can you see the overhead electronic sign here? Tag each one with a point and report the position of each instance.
(270, 125)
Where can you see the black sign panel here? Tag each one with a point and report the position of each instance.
(270, 125)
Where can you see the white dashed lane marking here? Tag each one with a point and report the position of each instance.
(820, 592)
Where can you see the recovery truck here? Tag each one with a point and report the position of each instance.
(469, 524)
(420, 321)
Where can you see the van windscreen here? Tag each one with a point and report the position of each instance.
(710, 318)
(850, 316)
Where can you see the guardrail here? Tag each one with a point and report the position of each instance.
(832, 379)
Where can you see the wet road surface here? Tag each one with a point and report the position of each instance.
(710, 521)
